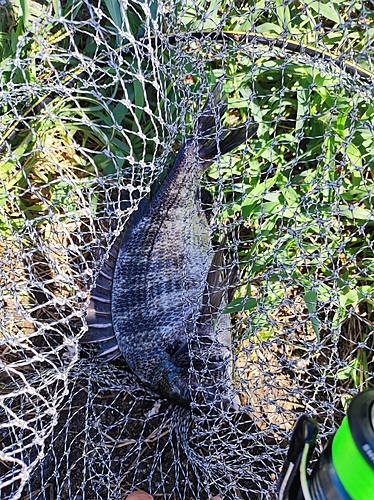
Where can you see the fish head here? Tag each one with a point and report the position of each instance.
(194, 370)
(174, 385)
(198, 369)
(171, 381)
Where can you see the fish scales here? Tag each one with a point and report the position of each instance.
(160, 278)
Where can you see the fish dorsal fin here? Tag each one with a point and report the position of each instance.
(99, 312)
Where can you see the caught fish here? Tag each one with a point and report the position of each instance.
(158, 295)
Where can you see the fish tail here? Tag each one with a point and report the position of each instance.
(215, 107)
(213, 111)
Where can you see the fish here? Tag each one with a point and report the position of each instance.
(158, 296)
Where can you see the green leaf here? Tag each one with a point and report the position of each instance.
(357, 194)
(139, 100)
(119, 112)
(303, 107)
(105, 164)
(258, 190)
(25, 12)
(56, 7)
(353, 296)
(291, 197)
(61, 195)
(241, 304)
(3, 198)
(354, 155)
(349, 371)
(115, 11)
(355, 212)
(283, 13)
(268, 28)
(341, 123)
(326, 10)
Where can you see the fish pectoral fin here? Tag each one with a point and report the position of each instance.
(181, 357)
(182, 350)
(170, 380)
(100, 328)
(214, 296)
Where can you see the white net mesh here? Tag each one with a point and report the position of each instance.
(96, 98)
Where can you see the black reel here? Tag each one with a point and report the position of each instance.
(345, 469)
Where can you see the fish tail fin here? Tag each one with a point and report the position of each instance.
(213, 110)
(214, 148)
(212, 113)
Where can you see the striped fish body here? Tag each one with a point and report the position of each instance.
(161, 279)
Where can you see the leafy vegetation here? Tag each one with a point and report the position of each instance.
(299, 195)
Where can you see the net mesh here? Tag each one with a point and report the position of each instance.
(96, 99)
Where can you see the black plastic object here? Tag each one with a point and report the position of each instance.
(345, 469)
(325, 483)
(305, 432)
